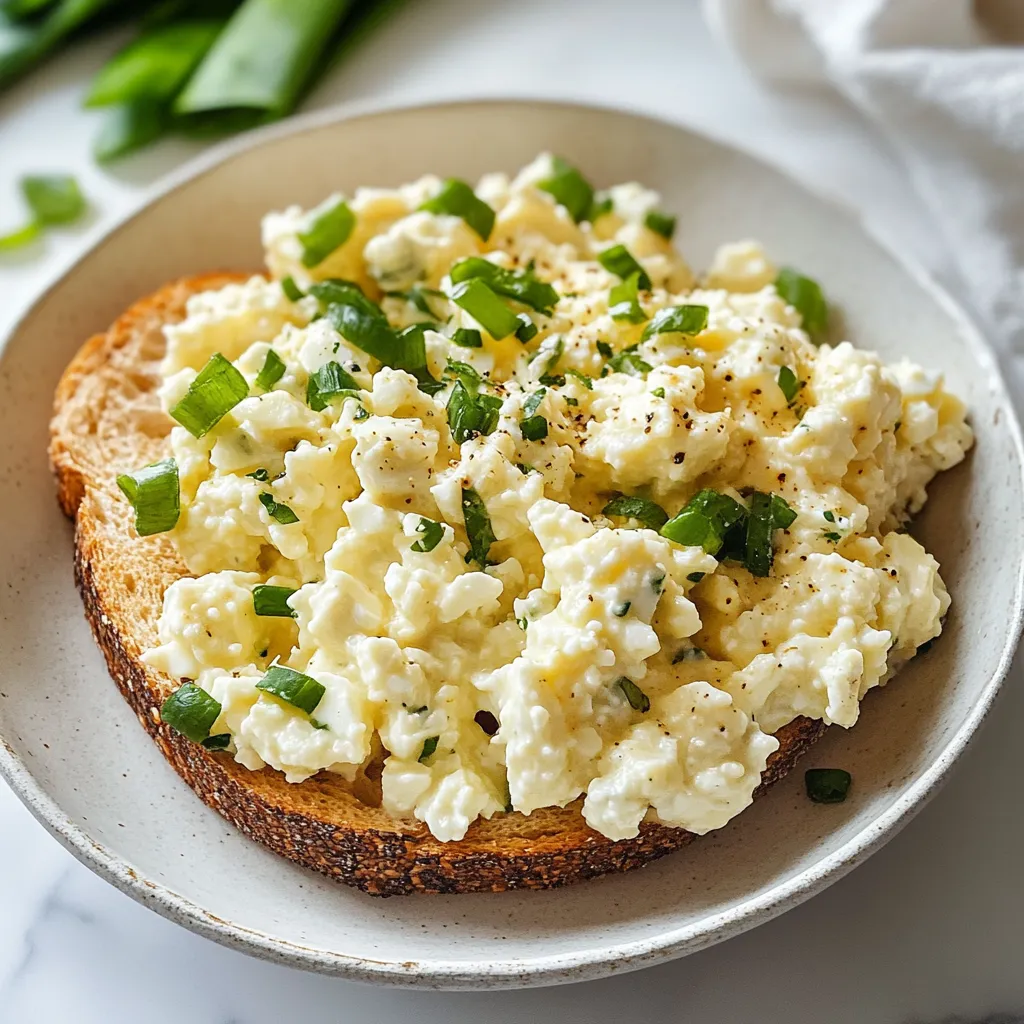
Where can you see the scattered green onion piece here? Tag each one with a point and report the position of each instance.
(291, 290)
(52, 198)
(688, 654)
(569, 188)
(471, 414)
(457, 199)
(277, 511)
(429, 746)
(259, 474)
(522, 286)
(827, 785)
(216, 390)
(624, 301)
(295, 688)
(629, 361)
(20, 236)
(806, 297)
(374, 335)
(621, 610)
(532, 404)
(605, 350)
(586, 381)
(534, 428)
(599, 207)
(323, 726)
(154, 494)
(335, 290)
(271, 372)
(219, 742)
(658, 392)
(527, 329)
(191, 711)
(328, 229)
(419, 297)
(638, 700)
(767, 513)
(465, 372)
(272, 601)
(705, 520)
(789, 384)
(677, 320)
(484, 306)
(618, 260)
(478, 526)
(695, 577)
(431, 534)
(651, 514)
(663, 224)
(467, 337)
(830, 535)
(327, 383)
(829, 516)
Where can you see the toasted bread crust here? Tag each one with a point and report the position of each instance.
(320, 823)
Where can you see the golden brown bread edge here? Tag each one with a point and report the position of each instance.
(107, 419)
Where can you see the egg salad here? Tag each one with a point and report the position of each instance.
(484, 492)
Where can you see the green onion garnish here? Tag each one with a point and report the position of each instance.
(806, 297)
(328, 230)
(259, 474)
(457, 199)
(527, 329)
(767, 513)
(532, 404)
(789, 384)
(604, 349)
(216, 390)
(371, 332)
(638, 700)
(429, 746)
(661, 223)
(695, 577)
(652, 515)
(569, 188)
(277, 511)
(624, 301)
(620, 261)
(658, 392)
(586, 381)
(52, 198)
(344, 293)
(478, 526)
(599, 207)
(154, 494)
(827, 785)
(420, 298)
(291, 290)
(629, 361)
(677, 320)
(219, 742)
(273, 601)
(467, 337)
(191, 711)
(534, 428)
(430, 535)
(830, 516)
(522, 286)
(301, 691)
(471, 414)
(705, 520)
(272, 371)
(330, 381)
(621, 610)
(688, 654)
(484, 306)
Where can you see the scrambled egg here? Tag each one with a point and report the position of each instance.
(474, 610)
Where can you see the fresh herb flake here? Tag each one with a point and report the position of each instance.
(154, 495)
(827, 785)
(652, 515)
(638, 700)
(457, 199)
(806, 297)
(663, 224)
(430, 533)
(478, 526)
(295, 688)
(687, 319)
(569, 188)
(191, 711)
(277, 511)
(328, 228)
(272, 601)
(618, 260)
(216, 390)
(271, 372)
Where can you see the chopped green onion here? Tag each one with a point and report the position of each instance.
(830, 535)
(652, 515)
(534, 428)
(661, 223)
(191, 711)
(767, 513)
(789, 384)
(457, 199)
(522, 286)
(604, 349)
(291, 290)
(658, 392)
(638, 700)
(372, 333)
(323, 726)
(154, 494)
(827, 785)
(569, 188)
(20, 236)
(829, 516)
(216, 390)
(629, 361)
(705, 520)
(532, 404)
(419, 297)
(547, 356)
(219, 742)
(330, 381)
(586, 381)
(301, 691)
(273, 601)
(618, 260)
(328, 229)
(658, 583)
(484, 306)
(806, 297)
(465, 372)
(429, 746)
(695, 577)
(467, 337)
(272, 371)
(471, 414)
(677, 320)
(259, 474)
(599, 207)
(335, 290)
(688, 654)
(478, 526)
(621, 610)
(431, 532)
(277, 511)
(527, 329)
(624, 301)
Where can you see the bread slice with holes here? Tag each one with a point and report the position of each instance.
(108, 420)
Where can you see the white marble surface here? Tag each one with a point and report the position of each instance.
(931, 929)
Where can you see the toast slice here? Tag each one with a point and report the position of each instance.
(108, 420)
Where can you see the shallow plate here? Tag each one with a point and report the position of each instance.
(73, 753)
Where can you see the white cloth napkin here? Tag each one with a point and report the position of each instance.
(942, 81)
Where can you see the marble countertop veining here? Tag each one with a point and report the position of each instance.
(930, 930)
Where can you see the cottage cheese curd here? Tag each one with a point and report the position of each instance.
(473, 616)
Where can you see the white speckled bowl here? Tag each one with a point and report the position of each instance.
(73, 752)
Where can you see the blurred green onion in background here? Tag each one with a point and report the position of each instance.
(205, 67)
